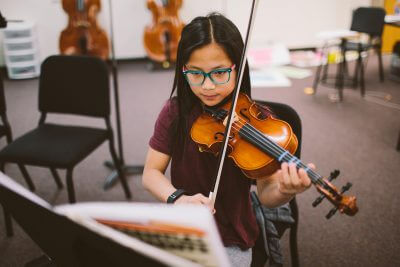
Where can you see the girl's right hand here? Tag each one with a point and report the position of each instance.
(196, 199)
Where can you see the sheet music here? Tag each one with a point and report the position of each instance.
(187, 231)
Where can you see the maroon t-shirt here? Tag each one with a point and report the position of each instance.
(195, 172)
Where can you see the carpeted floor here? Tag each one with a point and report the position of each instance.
(357, 136)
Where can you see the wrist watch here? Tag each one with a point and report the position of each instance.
(175, 195)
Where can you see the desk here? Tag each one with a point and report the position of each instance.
(393, 20)
(337, 36)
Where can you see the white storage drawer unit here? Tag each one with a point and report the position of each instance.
(21, 50)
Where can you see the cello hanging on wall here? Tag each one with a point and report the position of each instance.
(162, 36)
(83, 36)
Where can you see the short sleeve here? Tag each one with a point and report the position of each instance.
(161, 139)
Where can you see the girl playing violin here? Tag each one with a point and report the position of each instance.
(208, 56)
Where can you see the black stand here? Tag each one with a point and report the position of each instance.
(76, 245)
(128, 170)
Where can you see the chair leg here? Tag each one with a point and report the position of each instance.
(118, 167)
(398, 143)
(9, 227)
(345, 67)
(356, 73)
(362, 82)
(70, 186)
(56, 178)
(27, 177)
(325, 71)
(9, 136)
(294, 253)
(379, 52)
(339, 80)
(317, 78)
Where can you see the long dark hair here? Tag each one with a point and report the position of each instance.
(199, 32)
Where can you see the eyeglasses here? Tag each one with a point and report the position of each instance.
(217, 76)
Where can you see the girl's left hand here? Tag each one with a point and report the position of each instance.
(293, 181)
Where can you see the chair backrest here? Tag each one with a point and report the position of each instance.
(286, 113)
(368, 20)
(74, 85)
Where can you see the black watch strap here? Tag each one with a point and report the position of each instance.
(175, 195)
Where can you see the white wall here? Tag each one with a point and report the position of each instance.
(291, 22)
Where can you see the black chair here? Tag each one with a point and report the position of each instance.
(365, 20)
(288, 114)
(74, 85)
(368, 20)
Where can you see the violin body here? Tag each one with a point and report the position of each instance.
(161, 38)
(254, 163)
(83, 35)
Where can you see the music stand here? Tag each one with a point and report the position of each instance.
(127, 169)
(65, 242)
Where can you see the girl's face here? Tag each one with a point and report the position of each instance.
(208, 58)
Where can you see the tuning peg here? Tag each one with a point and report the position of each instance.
(331, 213)
(333, 175)
(318, 200)
(346, 187)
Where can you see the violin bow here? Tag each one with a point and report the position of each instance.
(235, 95)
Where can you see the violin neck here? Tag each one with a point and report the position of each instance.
(268, 146)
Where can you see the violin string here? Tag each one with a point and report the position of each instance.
(248, 135)
(287, 156)
(264, 143)
(279, 150)
(252, 133)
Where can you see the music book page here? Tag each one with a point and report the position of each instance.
(186, 232)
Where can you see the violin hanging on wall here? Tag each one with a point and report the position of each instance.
(83, 36)
(162, 36)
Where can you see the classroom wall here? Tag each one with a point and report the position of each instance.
(291, 22)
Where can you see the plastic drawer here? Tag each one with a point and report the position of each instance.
(21, 58)
(22, 72)
(13, 34)
(28, 45)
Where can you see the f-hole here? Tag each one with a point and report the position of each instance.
(242, 112)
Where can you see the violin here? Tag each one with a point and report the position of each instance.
(161, 38)
(259, 144)
(83, 35)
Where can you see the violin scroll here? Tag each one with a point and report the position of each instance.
(345, 204)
